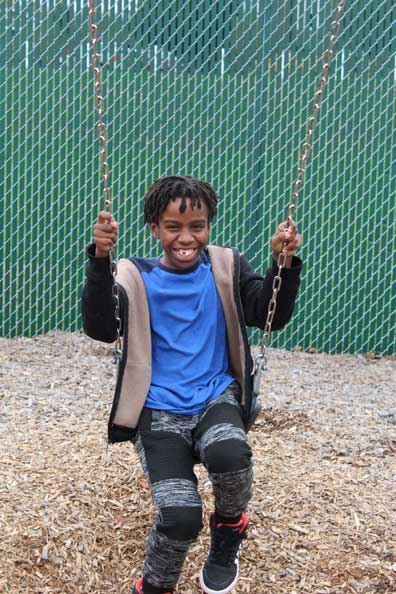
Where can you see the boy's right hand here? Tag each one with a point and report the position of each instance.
(105, 234)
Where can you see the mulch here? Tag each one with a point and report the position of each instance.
(75, 515)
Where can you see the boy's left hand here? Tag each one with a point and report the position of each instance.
(287, 240)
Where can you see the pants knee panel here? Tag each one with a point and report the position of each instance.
(228, 456)
(180, 523)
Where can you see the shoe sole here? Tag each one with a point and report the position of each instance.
(229, 588)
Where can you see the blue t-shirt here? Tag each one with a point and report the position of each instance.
(189, 340)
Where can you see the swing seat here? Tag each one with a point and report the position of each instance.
(252, 411)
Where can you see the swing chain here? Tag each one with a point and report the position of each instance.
(96, 64)
(261, 359)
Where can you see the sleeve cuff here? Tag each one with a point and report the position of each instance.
(289, 273)
(97, 265)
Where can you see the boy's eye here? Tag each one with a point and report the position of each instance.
(175, 228)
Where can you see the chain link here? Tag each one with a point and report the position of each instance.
(261, 359)
(96, 64)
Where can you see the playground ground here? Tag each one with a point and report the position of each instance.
(74, 517)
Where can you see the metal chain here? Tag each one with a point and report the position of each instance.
(261, 359)
(96, 64)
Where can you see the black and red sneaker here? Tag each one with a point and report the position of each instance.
(138, 588)
(220, 571)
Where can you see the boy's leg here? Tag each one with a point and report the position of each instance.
(224, 449)
(164, 446)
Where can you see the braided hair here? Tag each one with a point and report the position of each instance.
(171, 187)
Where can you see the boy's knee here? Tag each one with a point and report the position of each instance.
(228, 456)
(180, 523)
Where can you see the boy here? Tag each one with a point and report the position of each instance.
(184, 386)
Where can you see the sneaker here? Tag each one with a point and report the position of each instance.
(138, 588)
(220, 571)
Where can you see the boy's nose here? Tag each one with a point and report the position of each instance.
(185, 236)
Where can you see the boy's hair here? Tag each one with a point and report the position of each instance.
(168, 188)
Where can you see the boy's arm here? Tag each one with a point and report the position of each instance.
(98, 307)
(256, 293)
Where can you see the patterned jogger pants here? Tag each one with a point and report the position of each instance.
(168, 446)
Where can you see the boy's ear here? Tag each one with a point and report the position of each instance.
(154, 230)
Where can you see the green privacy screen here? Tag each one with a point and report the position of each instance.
(220, 90)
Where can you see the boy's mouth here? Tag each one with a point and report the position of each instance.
(185, 252)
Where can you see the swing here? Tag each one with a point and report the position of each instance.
(260, 362)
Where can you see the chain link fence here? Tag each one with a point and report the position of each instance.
(221, 90)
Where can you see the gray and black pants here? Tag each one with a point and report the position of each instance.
(169, 445)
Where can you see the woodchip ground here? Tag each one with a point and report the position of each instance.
(74, 517)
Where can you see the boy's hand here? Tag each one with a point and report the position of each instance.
(105, 234)
(291, 237)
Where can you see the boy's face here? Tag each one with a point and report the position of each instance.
(182, 234)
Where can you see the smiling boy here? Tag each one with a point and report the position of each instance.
(183, 235)
(184, 386)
